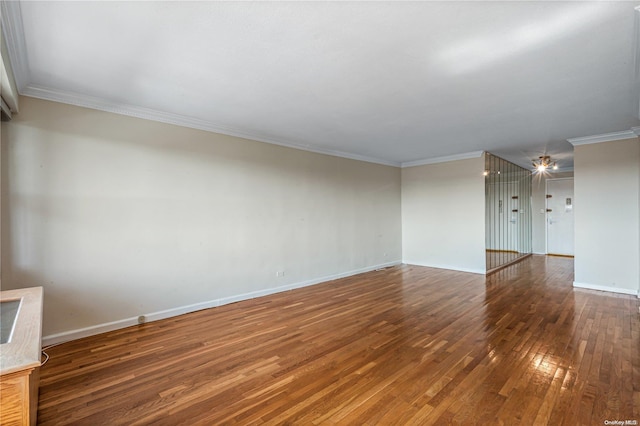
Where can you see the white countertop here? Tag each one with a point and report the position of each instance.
(24, 349)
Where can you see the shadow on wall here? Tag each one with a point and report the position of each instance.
(131, 216)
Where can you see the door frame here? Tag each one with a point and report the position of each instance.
(546, 220)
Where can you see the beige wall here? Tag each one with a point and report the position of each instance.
(118, 217)
(443, 215)
(3, 194)
(607, 235)
(538, 206)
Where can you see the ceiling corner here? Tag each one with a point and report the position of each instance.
(13, 33)
(444, 159)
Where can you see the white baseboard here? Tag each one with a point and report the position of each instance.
(66, 336)
(606, 288)
(448, 267)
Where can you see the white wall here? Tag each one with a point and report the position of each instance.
(607, 235)
(538, 209)
(118, 217)
(443, 215)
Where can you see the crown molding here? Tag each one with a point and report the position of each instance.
(91, 102)
(636, 58)
(563, 170)
(607, 137)
(558, 170)
(444, 159)
(13, 33)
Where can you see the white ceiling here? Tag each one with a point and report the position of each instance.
(389, 82)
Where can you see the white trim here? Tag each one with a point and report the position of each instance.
(66, 336)
(606, 288)
(550, 172)
(181, 120)
(562, 170)
(636, 58)
(13, 33)
(8, 87)
(447, 267)
(607, 137)
(444, 159)
(560, 178)
(636, 130)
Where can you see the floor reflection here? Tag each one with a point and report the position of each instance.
(402, 345)
(494, 258)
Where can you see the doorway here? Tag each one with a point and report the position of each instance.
(560, 205)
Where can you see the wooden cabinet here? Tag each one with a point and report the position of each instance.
(19, 393)
(20, 360)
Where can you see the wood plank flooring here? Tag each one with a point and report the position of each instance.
(405, 345)
(496, 258)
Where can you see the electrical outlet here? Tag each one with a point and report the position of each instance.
(279, 273)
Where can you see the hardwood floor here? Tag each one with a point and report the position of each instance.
(405, 345)
(496, 258)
